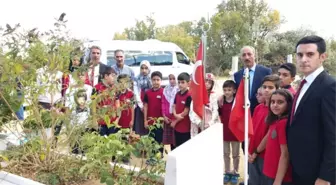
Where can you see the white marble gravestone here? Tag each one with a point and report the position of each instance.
(11, 179)
(198, 161)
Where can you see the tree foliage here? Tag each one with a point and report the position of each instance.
(235, 24)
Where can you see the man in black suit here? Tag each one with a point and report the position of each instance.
(311, 123)
(257, 74)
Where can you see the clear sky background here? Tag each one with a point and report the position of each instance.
(99, 19)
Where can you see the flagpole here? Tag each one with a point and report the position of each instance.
(204, 41)
(246, 109)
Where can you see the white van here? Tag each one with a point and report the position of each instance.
(165, 57)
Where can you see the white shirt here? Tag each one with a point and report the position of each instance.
(96, 74)
(48, 80)
(310, 79)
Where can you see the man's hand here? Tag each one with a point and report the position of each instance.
(321, 182)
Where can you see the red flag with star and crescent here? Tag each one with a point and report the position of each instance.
(199, 93)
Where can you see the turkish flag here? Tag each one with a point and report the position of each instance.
(237, 118)
(198, 90)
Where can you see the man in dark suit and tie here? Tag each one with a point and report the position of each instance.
(257, 74)
(311, 123)
(95, 67)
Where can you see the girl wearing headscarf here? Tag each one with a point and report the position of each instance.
(141, 84)
(169, 93)
(211, 110)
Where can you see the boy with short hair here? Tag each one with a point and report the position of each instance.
(260, 97)
(108, 103)
(287, 74)
(126, 98)
(231, 143)
(181, 109)
(258, 141)
(152, 106)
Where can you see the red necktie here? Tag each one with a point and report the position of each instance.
(92, 76)
(295, 99)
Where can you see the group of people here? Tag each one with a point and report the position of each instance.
(294, 128)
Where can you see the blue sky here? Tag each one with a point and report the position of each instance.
(99, 19)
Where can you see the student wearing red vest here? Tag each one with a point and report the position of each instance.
(152, 107)
(231, 143)
(126, 98)
(181, 108)
(108, 103)
(258, 141)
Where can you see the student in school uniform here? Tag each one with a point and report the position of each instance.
(181, 122)
(79, 116)
(277, 170)
(169, 93)
(108, 102)
(258, 141)
(231, 143)
(287, 73)
(260, 97)
(126, 99)
(142, 83)
(153, 108)
(211, 109)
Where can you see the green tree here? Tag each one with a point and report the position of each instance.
(120, 36)
(238, 23)
(142, 30)
(177, 35)
(282, 44)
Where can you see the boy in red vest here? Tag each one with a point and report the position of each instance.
(126, 98)
(258, 141)
(108, 102)
(231, 143)
(152, 107)
(181, 108)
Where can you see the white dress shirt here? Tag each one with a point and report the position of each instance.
(310, 79)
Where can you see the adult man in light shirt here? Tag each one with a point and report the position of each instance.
(120, 67)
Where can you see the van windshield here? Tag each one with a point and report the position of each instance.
(134, 58)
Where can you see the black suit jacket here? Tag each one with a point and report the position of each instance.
(259, 74)
(311, 135)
